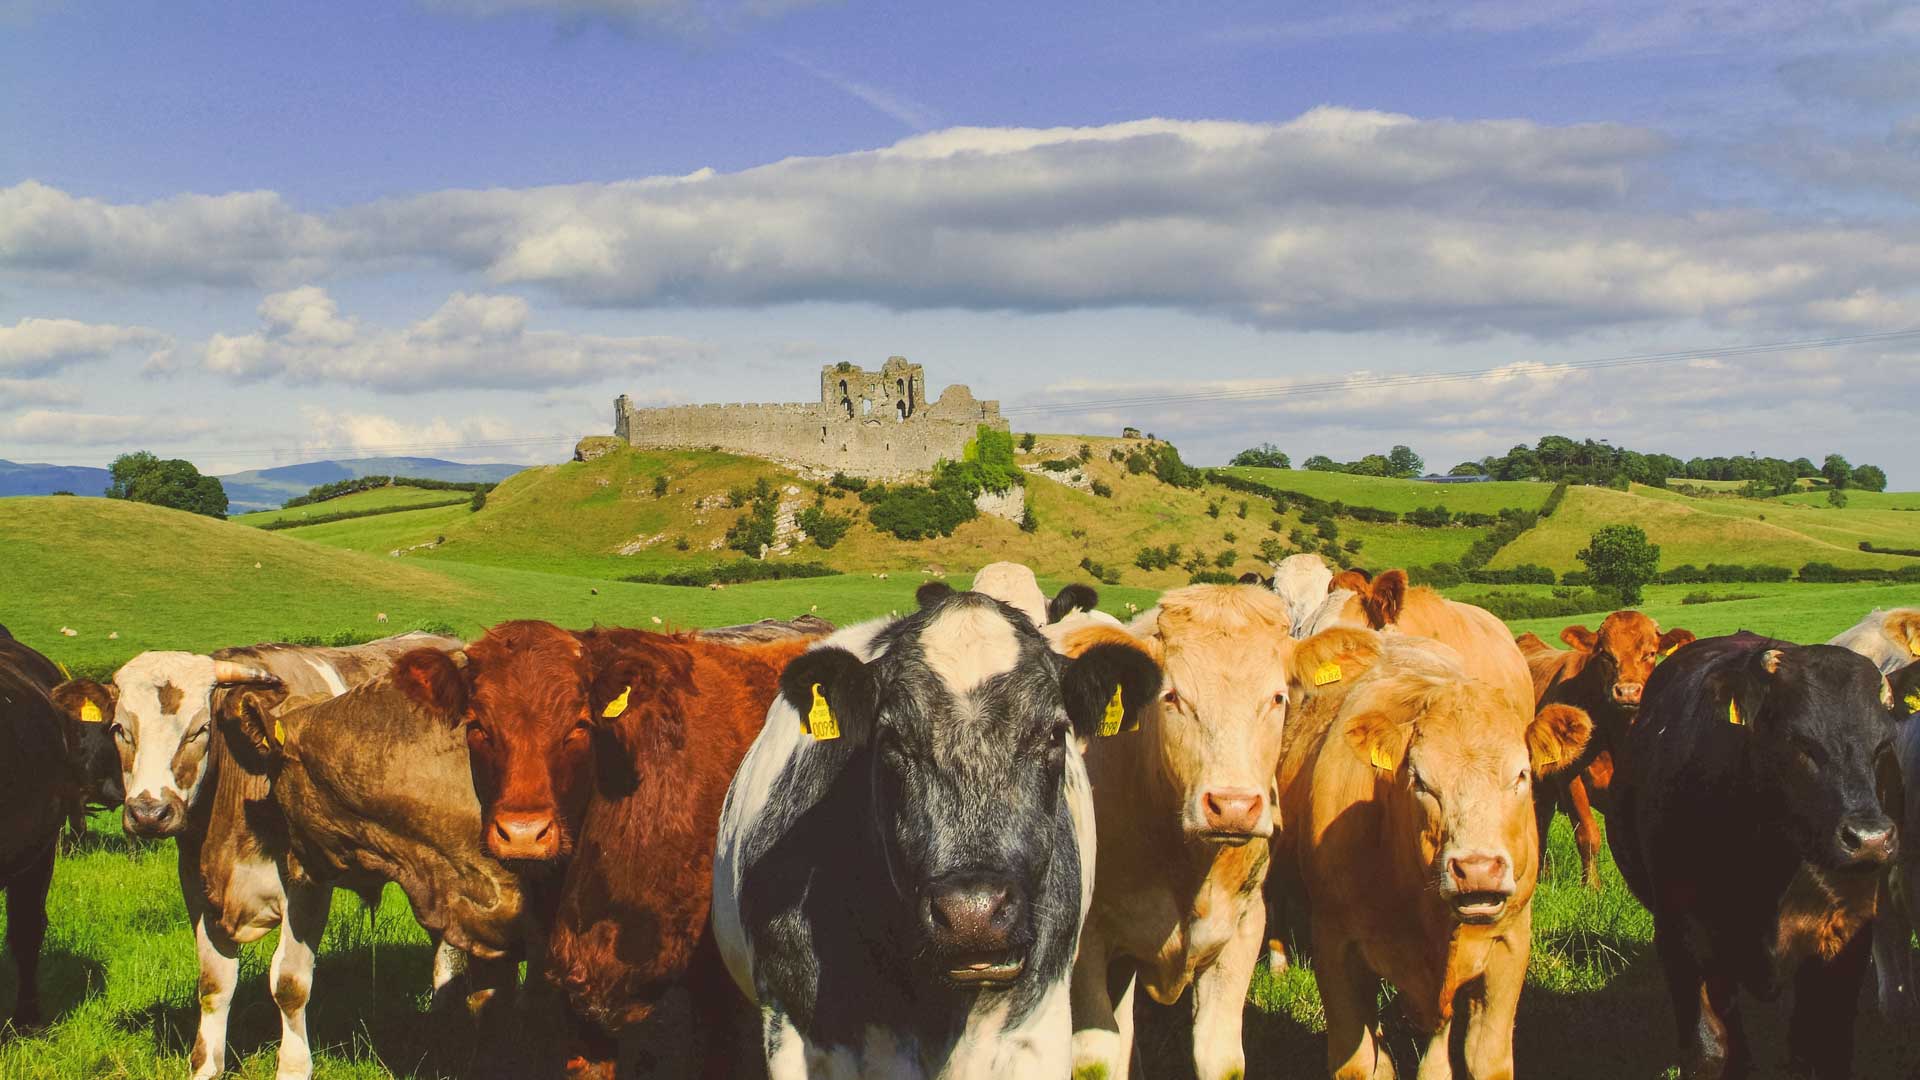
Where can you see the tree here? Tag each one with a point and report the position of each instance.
(1836, 498)
(1621, 556)
(1322, 463)
(1264, 456)
(1870, 478)
(1838, 473)
(1371, 465)
(172, 482)
(1403, 462)
(1467, 468)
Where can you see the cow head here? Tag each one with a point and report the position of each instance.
(1622, 654)
(1232, 671)
(1456, 777)
(524, 696)
(158, 711)
(963, 726)
(1818, 719)
(1902, 627)
(1301, 582)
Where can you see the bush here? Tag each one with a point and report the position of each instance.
(1226, 558)
(752, 532)
(1157, 558)
(372, 511)
(823, 528)
(1060, 464)
(850, 483)
(1103, 489)
(478, 502)
(1876, 549)
(1521, 606)
(1827, 573)
(1719, 573)
(660, 486)
(1213, 509)
(1429, 517)
(356, 484)
(1026, 441)
(1709, 598)
(1264, 456)
(1440, 575)
(916, 512)
(680, 543)
(1212, 577)
(1525, 574)
(733, 573)
(1272, 550)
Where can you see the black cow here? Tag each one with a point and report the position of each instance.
(1746, 819)
(37, 786)
(905, 855)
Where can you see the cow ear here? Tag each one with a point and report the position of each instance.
(1581, 638)
(1384, 598)
(1379, 740)
(1905, 685)
(636, 673)
(1332, 657)
(832, 691)
(1106, 675)
(1555, 738)
(1904, 628)
(85, 701)
(1075, 597)
(434, 680)
(932, 593)
(1350, 580)
(252, 714)
(1674, 639)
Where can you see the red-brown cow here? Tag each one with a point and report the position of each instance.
(1603, 675)
(605, 751)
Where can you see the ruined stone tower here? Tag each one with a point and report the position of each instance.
(881, 425)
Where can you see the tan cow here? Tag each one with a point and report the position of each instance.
(1184, 809)
(1407, 792)
(188, 775)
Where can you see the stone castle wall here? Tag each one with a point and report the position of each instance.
(877, 430)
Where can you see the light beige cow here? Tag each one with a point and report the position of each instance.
(1407, 793)
(1184, 810)
(1891, 639)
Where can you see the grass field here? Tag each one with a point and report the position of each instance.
(1402, 495)
(385, 498)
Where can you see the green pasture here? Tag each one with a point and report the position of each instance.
(384, 498)
(1389, 493)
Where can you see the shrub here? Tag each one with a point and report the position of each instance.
(1026, 441)
(1869, 546)
(1525, 574)
(1212, 577)
(1241, 510)
(478, 502)
(1522, 606)
(1157, 558)
(1441, 575)
(1272, 550)
(1103, 489)
(1060, 464)
(680, 543)
(733, 573)
(1428, 517)
(1829, 573)
(1226, 558)
(848, 483)
(752, 531)
(660, 486)
(1213, 509)
(823, 528)
(1703, 597)
(1086, 452)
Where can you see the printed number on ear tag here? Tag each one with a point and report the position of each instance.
(90, 713)
(1733, 714)
(820, 721)
(1378, 755)
(1326, 673)
(617, 705)
(1115, 712)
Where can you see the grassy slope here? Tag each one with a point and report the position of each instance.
(1404, 495)
(1700, 531)
(377, 499)
(1859, 500)
(1789, 610)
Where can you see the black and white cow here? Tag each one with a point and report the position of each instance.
(905, 899)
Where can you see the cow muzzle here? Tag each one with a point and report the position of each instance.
(150, 816)
(1865, 844)
(971, 923)
(1232, 816)
(1628, 694)
(523, 837)
(1478, 886)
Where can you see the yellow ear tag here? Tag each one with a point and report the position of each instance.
(90, 713)
(1328, 672)
(1733, 714)
(1378, 755)
(820, 721)
(1913, 701)
(1110, 719)
(279, 732)
(65, 674)
(617, 705)
(1668, 651)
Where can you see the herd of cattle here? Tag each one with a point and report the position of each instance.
(883, 838)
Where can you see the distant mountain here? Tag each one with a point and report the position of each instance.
(257, 489)
(25, 478)
(265, 489)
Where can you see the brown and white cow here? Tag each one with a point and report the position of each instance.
(1891, 639)
(1603, 675)
(1184, 808)
(595, 752)
(189, 774)
(1407, 792)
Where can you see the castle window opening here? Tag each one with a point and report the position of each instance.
(866, 407)
(900, 411)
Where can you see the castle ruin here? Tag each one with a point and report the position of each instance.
(875, 424)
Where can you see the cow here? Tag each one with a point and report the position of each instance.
(189, 774)
(1015, 584)
(1899, 901)
(372, 788)
(1407, 791)
(1184, 808)
(38, 782)
(595, 752)
(906, 854)
(1745, 818)
(1891, 639)
(1301, 582)
(1602, 674)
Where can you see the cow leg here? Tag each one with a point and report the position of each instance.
(292, 974)
(1436, 1063)
(1826, 997)
(1101, 1034)
(1705, 1011)
(590, 1052)
(1893, 956)
(1490, 1013)
(1348, 992)
(27, 931)
(1543, 807)
(1586, 832)
(219, 957)
(1220, 996)
(788, 1055)
(449, 963)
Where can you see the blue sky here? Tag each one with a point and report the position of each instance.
(256, 233)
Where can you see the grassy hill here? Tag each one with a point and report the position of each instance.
(1388, 493)
(385, 498)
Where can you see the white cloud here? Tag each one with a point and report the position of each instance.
(344, 432)
(472, 341)
(42, 346)
(18, 392)
(58, 427)
(1338, 219)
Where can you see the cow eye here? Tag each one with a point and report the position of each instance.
(120, 733)
(580, 729)
(477, 734)
(1171, 697)
(1280, 698)
(1057, 738)
(1525, 778)
(201, 732)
